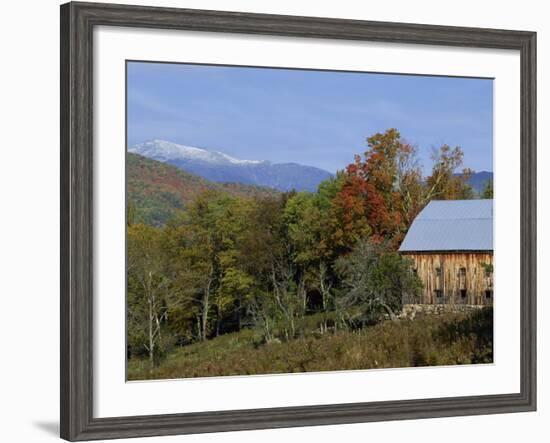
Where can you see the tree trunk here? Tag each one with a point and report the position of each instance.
(151, 334)
(324, 285)
(239, 313)
(205, 308)
(206, 304)
(393, 317)
(204, 319)
(151, 305)
(199, 328)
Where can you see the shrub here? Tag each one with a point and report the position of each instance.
(450, 339)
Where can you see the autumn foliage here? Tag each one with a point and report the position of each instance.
(227, 258)
(383, 190)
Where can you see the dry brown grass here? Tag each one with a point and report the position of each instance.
(440, 340)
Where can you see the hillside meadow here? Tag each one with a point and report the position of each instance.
(450, 339)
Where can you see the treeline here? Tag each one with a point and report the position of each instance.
(230, 262)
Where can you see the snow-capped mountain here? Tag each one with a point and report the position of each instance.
(164, 151)
(220, 167)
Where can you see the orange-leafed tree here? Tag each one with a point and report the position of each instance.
(382, 191)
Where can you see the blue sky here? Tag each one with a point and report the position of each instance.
(315, 118)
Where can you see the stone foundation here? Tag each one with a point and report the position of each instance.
(412, 311)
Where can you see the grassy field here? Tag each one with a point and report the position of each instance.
(438, 340)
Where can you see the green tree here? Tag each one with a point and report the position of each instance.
(222, 252)
(235, 284)
(148, 290)
(306, 216)
(374, 282)
(268, 254)
(487, 189)
(195, 244)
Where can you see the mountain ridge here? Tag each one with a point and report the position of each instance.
(219, 167)
(478, 180)
(222, 168)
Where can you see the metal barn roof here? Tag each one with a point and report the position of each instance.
(452, 225)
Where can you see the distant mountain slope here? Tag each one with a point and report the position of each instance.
(220, 167)
(158, 190)
(478, 180)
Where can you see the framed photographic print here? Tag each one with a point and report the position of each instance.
(272, 221)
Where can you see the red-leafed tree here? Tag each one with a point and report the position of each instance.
(381, 192)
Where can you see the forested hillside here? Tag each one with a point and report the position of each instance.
(157, 191)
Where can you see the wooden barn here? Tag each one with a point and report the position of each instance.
(451, 245)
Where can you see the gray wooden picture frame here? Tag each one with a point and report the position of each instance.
(77, 23)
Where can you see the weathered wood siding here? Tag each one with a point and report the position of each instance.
(454, 278)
